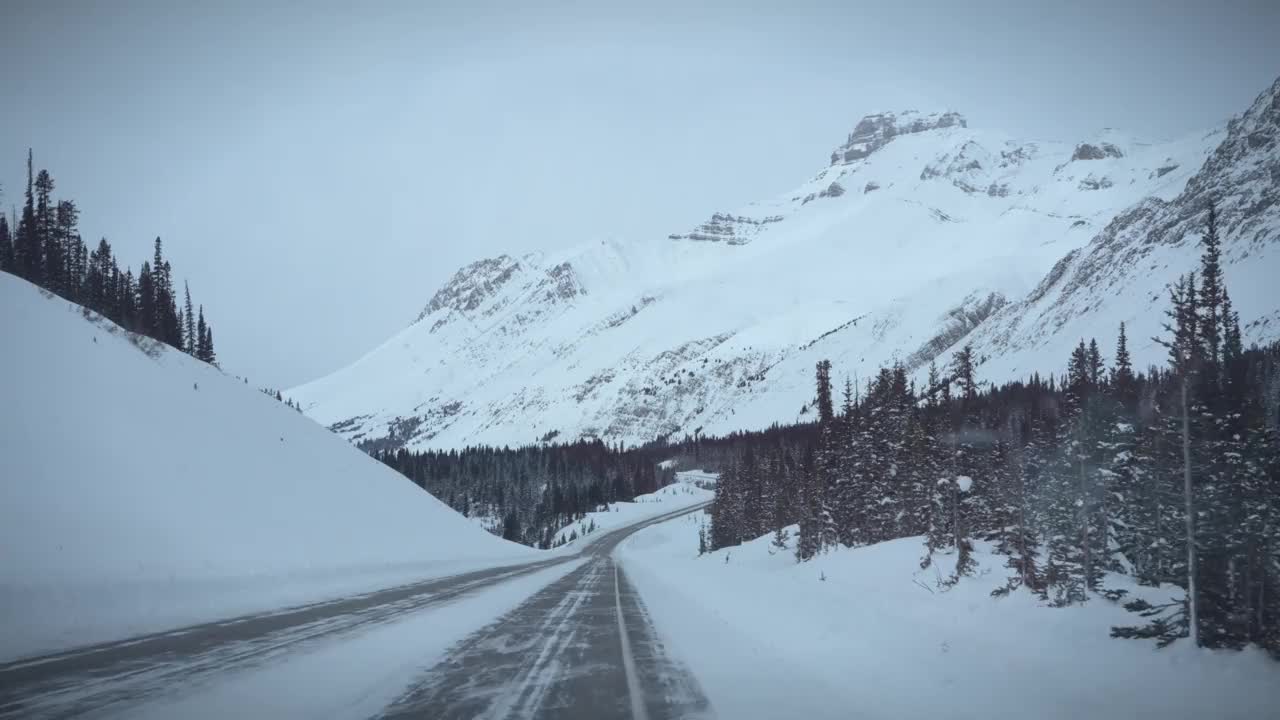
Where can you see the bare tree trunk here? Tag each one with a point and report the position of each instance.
(1193, 610)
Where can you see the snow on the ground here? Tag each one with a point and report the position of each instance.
(143, 491)
(360, 675)
(683, 493)
(699, 478)
(864, 633)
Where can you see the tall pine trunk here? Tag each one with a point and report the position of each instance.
(1193, 614)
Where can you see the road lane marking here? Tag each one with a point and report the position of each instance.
(638, 711)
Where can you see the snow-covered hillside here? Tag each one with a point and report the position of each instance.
(865, 628)
(920, 233)
(142, 489)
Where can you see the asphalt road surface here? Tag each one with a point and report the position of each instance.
(583, 647)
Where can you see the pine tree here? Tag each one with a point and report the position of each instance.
(1209, 306)
(27, 250)
(202, 338)
(189, 324)
(48, 254)
(1179, 619)
(962, 372)
(826, 463)
(6, 246)
(1123, 382)
(146, 317)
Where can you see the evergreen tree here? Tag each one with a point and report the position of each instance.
(189, 324)
(27, 250)
(211, 356)
(6, 246)
(47, 258)
(1123, 383)
(147, 300)
(202, 337)
(962, 372)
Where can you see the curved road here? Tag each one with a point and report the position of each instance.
(582, 647)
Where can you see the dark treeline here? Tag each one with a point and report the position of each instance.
(1171, 475)
(532, 492)
(44, 247)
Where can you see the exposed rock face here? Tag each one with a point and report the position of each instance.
(875, 131)
(958, 322)
(473, 284)
(966, 169)
(728, 229)
(835, 189)
(1095, 183)
(1086, 151)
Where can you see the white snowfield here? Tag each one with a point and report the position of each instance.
(141, 491)
(862, 633)
(920, 235)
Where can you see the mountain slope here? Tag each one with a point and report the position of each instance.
(143, 489)
(1124, 273)
(920, 233)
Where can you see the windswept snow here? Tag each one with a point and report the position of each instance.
(361, 674)
(865, 633)
(144, 490)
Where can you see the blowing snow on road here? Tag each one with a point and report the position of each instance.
(571, 639)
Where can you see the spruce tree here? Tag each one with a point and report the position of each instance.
(47, 252)
(1123, 383)
(189, 324)
(27, 256)
(6, 246)
(211, 356)
(202, 337)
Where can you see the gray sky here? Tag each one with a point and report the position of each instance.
(317, 170)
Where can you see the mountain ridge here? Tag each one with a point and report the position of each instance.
(915, 243)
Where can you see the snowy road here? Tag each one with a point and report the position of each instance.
(581, 646)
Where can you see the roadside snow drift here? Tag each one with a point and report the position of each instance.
(864, 633)
(142, 490)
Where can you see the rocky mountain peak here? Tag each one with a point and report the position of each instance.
(875, 131)
(471, 285)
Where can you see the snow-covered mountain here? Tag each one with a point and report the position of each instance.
(921, 233)
(141, 489)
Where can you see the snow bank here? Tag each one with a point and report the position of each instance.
(689, 489)
(141, 491)
(864, 633)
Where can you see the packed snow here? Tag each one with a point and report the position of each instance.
(689, 489)
(360, 674)
(144, 490)
(865, 633)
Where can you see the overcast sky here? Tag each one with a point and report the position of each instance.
(317, 172)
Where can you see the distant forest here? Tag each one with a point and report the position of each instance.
(43, 246)
(529, 493)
